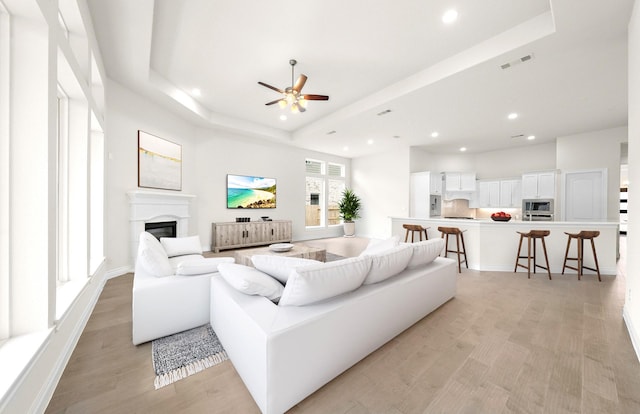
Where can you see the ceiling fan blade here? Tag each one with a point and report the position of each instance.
(302, 79)
(316, 97)
(271, 87)
(273, 102)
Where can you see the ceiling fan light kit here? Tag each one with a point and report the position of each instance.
(292, 97)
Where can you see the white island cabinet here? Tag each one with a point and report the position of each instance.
(492, 245)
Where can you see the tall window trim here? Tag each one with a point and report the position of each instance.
(5, 167)
(62, 192)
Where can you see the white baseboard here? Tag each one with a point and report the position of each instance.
(119, 271)
(633, 332)
(42, 401)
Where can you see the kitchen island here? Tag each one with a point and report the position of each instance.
(492, 245)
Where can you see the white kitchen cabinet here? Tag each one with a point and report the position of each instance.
(460, 181)
(489, 194)
(539, 185)
(510, 194)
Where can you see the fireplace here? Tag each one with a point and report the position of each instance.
(151, 209)
(161, 228)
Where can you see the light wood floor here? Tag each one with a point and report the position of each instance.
(504, 344)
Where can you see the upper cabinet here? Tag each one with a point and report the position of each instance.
(436, 184)
(498, 194)
(424, 185)
(460, 181)
(539, 185)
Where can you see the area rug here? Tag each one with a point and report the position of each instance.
(177, 356)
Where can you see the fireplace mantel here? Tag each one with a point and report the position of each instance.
(157, 206)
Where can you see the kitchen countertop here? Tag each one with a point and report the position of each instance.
(492, 245)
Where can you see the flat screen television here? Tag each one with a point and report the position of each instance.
(247, 191)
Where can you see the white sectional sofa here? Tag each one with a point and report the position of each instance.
(285, 353)
(170, 294)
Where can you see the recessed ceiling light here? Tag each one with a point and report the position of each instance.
(463, 149)
(450, 16)
(370, 141)
(531, 137)
(283, 117)
(512, 115)
(345, 148)
(396, 136)
(196, 92)
(434, 134)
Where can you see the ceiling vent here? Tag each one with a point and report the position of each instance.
(386, 111)
(523, 59)
(517, 136)
(331, 132)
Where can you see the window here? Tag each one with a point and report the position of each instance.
(4, 174)
(62, 225)
(325, 183)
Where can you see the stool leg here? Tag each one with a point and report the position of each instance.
(529, 258)
(580, 249)
(595, 258)
(566, 254)
(546, 258)
(534, 255)
(406, 236)
(446, 244)
(458, 247)
(420, 232)
(464, 251)
(426, 235)
(515, 269)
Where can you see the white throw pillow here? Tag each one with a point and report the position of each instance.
(279, 266)
(313, 283)
(201, 266)
(152, 256)
(389, 263)
(179, 246)
(378, 246)
(425, 252)
(250, 281)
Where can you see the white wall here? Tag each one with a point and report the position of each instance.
(221, 153)
(593, 150)
(207, 157)
(382, 182)
(632, 303)
(128, 113)
(506, 163)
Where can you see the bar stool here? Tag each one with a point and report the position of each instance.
(459, 237)
(580, 238)
(532, 235)
(413, 228)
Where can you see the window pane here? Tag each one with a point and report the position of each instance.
(314, 167)
(336, 187)
(336, 170)
(314, 201)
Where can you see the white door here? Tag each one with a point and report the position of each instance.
(585, 195)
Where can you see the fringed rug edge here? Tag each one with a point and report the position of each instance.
(189, 369)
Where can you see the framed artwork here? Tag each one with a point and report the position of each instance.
(159, 163)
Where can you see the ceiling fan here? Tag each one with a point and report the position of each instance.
(292, 95)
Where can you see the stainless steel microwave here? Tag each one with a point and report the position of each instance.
(537, 209)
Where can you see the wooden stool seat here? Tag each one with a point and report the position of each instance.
(454, 231)
(413, 228)
(532, 235)
(580, 238)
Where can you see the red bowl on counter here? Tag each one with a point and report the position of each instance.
(498, 218)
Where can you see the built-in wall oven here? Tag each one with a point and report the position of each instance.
(537, 209)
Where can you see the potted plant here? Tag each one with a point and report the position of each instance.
(349, 207)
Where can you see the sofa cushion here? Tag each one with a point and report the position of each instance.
(179, 246)
(313, 283)
(388, 263)
(152, 256)
(201, 266)
(425, 252)
(379, 245)
(175, 261)
(250, 281)
(279, 266)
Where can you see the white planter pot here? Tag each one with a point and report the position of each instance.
(349, 229)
